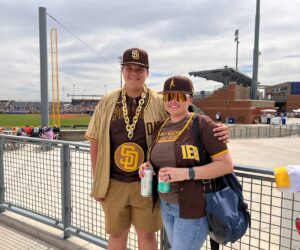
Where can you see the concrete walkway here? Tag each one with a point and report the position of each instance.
(267, 153)
(13, 239)
(19, 233)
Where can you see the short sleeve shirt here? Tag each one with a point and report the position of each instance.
(164, 151)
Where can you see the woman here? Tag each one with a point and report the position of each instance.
(175, 160)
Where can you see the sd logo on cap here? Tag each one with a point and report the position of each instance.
(135, 56)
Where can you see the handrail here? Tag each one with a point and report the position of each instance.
(55, 185)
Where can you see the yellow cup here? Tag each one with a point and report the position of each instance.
(282, 178)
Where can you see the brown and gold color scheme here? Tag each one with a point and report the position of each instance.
(129, 156)
(130, 127)
(135, 56)
(178, 84)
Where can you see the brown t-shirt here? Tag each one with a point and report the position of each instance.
(126, 168)
(165, 147)
(163, 154)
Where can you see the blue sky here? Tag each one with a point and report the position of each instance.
(180, 37)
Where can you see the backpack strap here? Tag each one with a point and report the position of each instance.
(204, 159)
(209, 185)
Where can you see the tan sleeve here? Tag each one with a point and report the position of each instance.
(93, 129)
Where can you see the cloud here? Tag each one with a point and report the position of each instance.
(180, 36)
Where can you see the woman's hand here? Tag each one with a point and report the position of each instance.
(169, 174)
(144, 166)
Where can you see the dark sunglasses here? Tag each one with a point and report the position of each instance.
(176, 96)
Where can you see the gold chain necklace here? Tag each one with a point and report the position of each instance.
(130, 127)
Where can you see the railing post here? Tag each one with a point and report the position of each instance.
(164, 242)
(279, 131)
(66, 189)
(2, 187)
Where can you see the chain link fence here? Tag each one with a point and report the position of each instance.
(50, 181)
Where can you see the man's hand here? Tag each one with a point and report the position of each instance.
(99, 199)
(144, 166)
(221, 132)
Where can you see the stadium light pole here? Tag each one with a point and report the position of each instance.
(120, 59)
(236, 39)
(63, 94)
(63, 98)
(256, 53)
(43, 66)
(74, 93)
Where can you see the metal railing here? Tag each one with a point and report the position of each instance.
(50, 181)
(265, 131)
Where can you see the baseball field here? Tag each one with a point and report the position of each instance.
(20, 120)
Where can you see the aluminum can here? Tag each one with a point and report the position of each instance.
(163, 187)
(146, 183)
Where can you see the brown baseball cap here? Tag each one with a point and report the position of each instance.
(135, 56)
(179, 84)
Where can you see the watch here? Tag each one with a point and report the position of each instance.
(192, 174)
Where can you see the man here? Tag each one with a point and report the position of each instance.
(218, 117)
(120, 133)
(27, 130)
(269, 116)
(56, 131)
(35, 132)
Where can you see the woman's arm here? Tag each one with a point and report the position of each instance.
(220, 165)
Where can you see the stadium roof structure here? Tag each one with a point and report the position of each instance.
(224, 76)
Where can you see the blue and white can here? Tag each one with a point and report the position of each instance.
(146, 183)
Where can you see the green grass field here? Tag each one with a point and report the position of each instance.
(20, 120)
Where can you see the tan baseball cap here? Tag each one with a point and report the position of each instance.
(135, 56)
(179, 84)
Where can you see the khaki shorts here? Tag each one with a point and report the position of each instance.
(123, 206)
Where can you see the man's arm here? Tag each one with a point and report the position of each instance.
(94, 155)
(221, 132)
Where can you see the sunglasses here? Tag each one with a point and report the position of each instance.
(176, 96)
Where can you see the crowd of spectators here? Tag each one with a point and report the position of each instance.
(13, 107)
(25, 109)
(77, 106)
(35, 131)
(80, 107)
